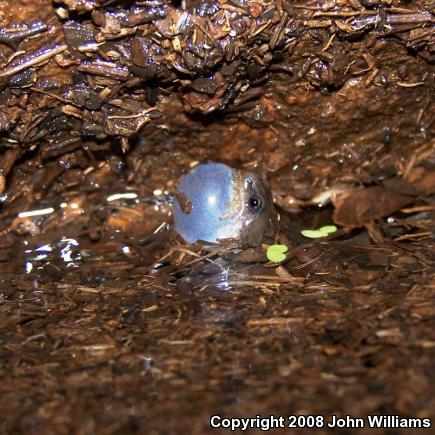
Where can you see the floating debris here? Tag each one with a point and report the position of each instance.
(276, 253)
(321, 232)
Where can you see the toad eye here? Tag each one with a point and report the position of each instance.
(255, 203)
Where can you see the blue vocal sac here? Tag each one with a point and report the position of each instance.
(216, 202)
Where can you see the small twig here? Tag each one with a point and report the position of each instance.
(410, 18)
(7, 72)
(409, 85)
(418, 209)
(137, 115)
(278, 31)
(424, 234)
(51, 94)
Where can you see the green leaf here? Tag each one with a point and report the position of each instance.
(328, 229)
(313, 234)
(276, 253)
(321, 232)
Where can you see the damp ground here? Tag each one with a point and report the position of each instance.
(109, 323)
(104, 332)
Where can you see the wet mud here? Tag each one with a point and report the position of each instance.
(109, 323)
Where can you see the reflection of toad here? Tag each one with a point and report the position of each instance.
(223, 203)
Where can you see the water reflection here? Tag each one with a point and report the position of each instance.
(65, 251)
(33, 213)
(224, 279)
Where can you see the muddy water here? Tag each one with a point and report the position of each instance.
(111, 330)
(109, 324)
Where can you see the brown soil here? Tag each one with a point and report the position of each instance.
(108, 323)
